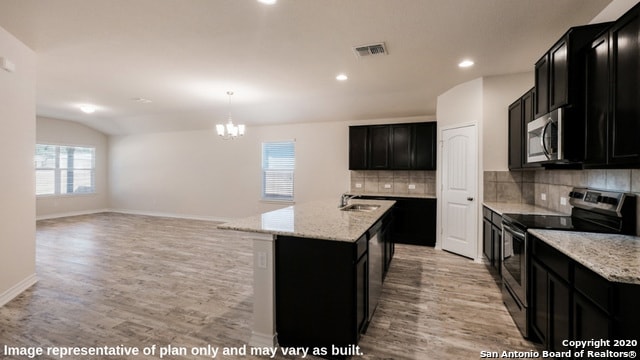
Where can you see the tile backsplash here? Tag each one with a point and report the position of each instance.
(393, 182)
(530, 187)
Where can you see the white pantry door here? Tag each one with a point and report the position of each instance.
(459, 191)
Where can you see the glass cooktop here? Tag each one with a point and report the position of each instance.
(555, 222)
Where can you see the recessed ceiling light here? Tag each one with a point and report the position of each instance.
(466, 63)
(341, 77)
(268, 2)
(88, 108)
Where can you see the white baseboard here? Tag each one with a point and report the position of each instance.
(71, 213)
(17, 289)
(135, 212)
(171, 215)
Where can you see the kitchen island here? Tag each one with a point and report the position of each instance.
(311, 271)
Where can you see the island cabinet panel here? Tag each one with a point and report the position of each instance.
(320, 292)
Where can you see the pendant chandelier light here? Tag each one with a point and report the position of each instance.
(230, 131)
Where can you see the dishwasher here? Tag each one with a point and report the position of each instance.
(375, 267)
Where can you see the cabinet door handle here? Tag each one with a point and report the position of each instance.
(470, 199)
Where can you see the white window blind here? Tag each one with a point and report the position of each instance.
(64, 170)
(278, 165)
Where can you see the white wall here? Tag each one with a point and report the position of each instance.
(461, 104)
(197, 174)
(17, 139)
(498, 93)
(61, 132)
(614, 10)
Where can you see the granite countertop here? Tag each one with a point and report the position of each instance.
(518, 208)
(614, 257)
(317, 220)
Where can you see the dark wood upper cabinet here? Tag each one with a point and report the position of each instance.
(516, 144)
(401, 146)
(613, 95)
(424, 146)
(379, 145)
(559, 76)
(520, 114)
(410, 146)
(358, 147)
(597, 109)
(624, 124)
(560, 73)
(527, 107)
(541, 74)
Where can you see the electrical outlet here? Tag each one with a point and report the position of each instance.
(358, 185)
(563, 200)
(543, 196)
(387, 186)
(412, 186)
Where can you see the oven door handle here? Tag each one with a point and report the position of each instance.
(513, 230)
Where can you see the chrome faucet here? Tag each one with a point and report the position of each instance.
(344, 199)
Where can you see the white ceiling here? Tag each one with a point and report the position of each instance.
(280, 60)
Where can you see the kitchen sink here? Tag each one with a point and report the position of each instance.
(360, 207)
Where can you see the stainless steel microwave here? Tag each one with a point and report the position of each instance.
(544, 138)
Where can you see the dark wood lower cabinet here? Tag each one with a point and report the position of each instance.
(559, 313)
(570, 302)
(414, 220)
(492, 240)
(590, 322)
(539, 301)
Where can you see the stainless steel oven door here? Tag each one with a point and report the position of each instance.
(514, 261)
(544, 138)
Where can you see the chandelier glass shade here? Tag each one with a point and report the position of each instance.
(229, 130)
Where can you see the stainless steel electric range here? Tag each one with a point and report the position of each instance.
(592, 211)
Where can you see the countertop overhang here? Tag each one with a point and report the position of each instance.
(614, 257)
(317, 220)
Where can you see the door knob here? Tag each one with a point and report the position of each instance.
(470, 199)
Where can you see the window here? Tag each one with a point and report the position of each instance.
(278, 164)
(64, 170)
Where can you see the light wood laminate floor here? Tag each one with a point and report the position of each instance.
(114, 279)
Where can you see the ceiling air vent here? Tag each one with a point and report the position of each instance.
(370, 50)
